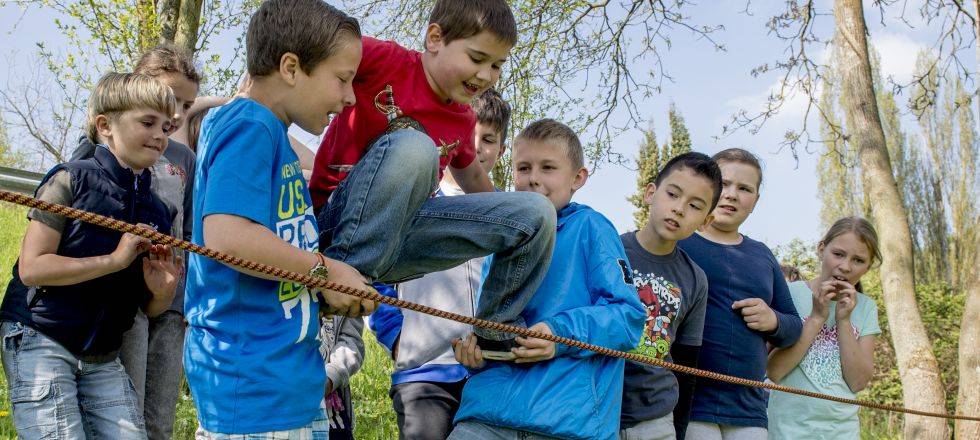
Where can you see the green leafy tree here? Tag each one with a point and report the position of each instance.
(647, 164)
(936, 127)
(801, 255)
(837, 185)
(962, 188)
(652, 158)
(104, 35)
(8, 157)
(680, 138)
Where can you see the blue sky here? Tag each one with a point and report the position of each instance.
(708, 87)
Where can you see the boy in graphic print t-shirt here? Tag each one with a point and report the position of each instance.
(673, 290)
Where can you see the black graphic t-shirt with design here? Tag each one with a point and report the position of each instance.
(673, 289)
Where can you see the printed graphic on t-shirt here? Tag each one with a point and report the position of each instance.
(822, 361)
(662, 301)
(296, 225)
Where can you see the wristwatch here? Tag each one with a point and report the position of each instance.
(320, 270)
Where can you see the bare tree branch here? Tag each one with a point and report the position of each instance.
(591, 62)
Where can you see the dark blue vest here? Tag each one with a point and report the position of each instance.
(90, 318)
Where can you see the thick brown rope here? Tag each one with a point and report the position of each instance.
(319, 283)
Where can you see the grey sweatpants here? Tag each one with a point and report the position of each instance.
(425, 410)
(152, 353)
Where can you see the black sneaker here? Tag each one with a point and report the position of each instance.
(497, 350)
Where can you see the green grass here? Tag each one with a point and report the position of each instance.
(374, 418)
(880, 425)
(12, 225)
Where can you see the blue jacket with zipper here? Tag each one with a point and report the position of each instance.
(587, 294)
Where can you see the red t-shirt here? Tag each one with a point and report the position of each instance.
(450, 125)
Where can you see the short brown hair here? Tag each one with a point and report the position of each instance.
(311, 29)
(465, 18)
(119, 92)
(739, 155)
(493, 111)
(545, 130)
(167, 58)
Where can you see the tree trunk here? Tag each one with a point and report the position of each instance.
(968, 398)
(188, 24)
(921, 384)
(976, 42)
(169, 13)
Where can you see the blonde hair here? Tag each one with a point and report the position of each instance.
(550, 130)
(119, 92)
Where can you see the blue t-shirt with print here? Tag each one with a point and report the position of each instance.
(252, 357)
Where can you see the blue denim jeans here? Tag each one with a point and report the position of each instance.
(472, 430)
(55, 395)
(152, 354)
(382, 221)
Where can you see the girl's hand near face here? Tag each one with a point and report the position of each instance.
(822, 296)
(846, 302)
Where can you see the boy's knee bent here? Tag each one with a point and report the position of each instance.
(412, 150)
(540, 210)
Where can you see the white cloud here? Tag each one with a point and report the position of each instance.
(791, 112)
(898, 53)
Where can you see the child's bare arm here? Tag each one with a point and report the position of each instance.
(202, 103)
(473, 178)
(306, 157)
(246, 239)
(40, 265)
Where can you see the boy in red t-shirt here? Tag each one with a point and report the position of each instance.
(382, 158)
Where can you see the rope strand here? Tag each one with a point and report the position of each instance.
(319, 283)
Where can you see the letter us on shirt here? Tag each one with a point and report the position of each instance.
(296, 225)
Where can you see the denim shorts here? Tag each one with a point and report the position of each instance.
(56, 395)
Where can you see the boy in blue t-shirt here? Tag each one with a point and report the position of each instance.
(587, 294)
(252, 355)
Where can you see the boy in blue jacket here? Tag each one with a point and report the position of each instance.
(588, 294)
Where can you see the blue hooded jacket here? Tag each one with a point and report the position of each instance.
(587, 294)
